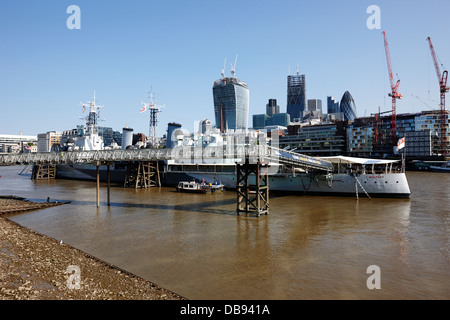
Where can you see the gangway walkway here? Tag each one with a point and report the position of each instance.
(262, 154)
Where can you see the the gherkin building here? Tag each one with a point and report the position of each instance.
(348, 106)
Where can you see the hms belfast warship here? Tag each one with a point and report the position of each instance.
(350, 176)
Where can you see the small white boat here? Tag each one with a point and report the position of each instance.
(444, 168)
(195, 187)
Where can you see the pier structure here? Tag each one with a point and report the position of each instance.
(43, 171)
(251, 160)
(252, 197)
(143, 174)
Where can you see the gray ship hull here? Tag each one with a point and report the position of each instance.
(393, 185)
(372, 185)
(89, 172)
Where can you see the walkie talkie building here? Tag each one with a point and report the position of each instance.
(231, 104)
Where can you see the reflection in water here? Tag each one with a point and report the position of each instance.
(400, 232)
(306, 248)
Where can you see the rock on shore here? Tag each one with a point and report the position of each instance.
(36, 267)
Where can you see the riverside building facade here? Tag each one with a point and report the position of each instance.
(10, 143)
(324, 139)
(431, 121)
(49, 141)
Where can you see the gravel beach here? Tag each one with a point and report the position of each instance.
(36, 267)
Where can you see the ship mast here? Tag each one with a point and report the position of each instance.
(93, 115)
(153, 125)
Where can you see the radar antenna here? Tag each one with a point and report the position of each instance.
(94, 112)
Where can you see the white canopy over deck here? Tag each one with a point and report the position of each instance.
(353, 160)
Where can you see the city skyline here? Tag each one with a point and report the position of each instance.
(124, 50)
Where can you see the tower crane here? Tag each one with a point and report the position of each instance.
(233, 67)
(223, 70)
(377, 123)
(443, 90)
(394, 91)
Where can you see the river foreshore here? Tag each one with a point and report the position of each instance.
(36, 267)
(13, 204)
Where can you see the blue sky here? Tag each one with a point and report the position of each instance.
(177, 48)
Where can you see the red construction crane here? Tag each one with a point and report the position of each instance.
(394, 91)
(377, 124)
(443, 89)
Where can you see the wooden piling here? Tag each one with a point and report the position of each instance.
(98, 185)
(108, 180)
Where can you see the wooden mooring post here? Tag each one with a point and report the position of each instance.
(108, 182)
(98, 184)
(252, 198)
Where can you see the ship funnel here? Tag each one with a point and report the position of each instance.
(127, 137)
(170, 130)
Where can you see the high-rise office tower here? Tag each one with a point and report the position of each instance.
(315, 105)
(272, 107)
(231, 102)
(332, 105)
(348, 106)
(296, 96)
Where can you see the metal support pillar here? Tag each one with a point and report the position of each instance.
(98, 184)
(252, 198)
(108, 182)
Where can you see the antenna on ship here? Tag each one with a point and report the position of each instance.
(94, 112)
(154, 111)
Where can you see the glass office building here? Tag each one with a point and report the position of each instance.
(348, 106)
(296, 96)
(272, 107)
(279, 119)
(263, 120)
(259, 121)
(332, 105)
(231, 104)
